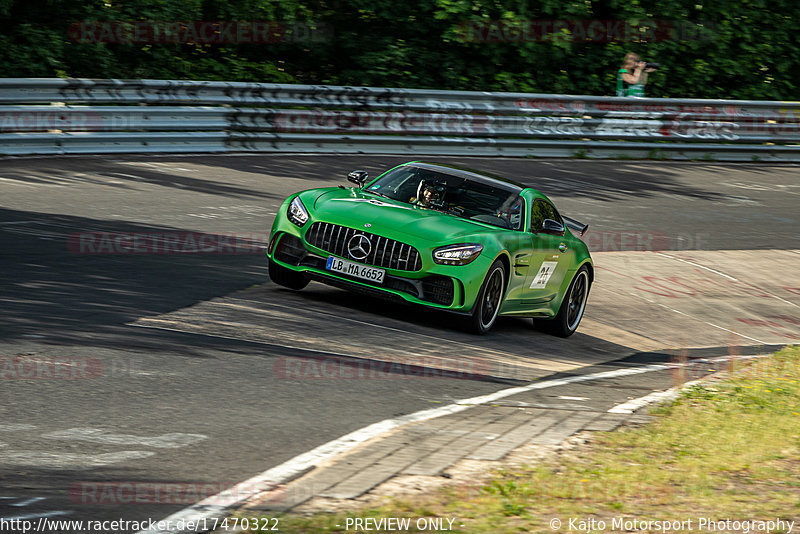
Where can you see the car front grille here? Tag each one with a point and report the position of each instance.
(383, 252)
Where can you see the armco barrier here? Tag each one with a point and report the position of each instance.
(63, 116)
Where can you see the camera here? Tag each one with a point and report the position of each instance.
(649, 65)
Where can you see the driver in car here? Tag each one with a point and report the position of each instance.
(429, 196)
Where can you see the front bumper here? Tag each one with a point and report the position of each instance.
(434, 285)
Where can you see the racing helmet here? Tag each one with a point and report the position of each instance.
(435, 188)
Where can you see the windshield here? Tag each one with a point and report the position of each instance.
(455, 195)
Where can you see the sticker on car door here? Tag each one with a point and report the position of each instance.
(543, 276)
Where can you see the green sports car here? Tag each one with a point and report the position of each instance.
(440, 236)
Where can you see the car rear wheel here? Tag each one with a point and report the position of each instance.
(569, 316)
(286, 277)
(490, 297)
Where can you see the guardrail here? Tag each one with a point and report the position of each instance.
(102, 116)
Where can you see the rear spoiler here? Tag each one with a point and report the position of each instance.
(572, 224)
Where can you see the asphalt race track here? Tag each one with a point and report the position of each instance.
(184, 370)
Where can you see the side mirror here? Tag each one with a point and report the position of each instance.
(549, 226)
(358, 177)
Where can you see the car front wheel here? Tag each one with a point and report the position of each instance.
(490, 297)
(570, 314)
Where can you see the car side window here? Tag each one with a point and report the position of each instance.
(540, 211)
(511, 212)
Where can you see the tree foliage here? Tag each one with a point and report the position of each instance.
(741, 49)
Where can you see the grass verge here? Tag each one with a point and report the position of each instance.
(730, 450)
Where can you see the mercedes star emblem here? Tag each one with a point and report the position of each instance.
(359, 247)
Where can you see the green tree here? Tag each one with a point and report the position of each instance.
(744, 49)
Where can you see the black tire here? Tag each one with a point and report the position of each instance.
(286, 278)
(490, 298)
(569, 315)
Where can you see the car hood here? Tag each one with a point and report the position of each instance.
(391, 218)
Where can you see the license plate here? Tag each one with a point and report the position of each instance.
(355, 269)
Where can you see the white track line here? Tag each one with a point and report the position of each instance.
(35, 516)
(628, 407)
(28, 501)
(698, 265)
(737, 333)
(632, 405)
(218, 505)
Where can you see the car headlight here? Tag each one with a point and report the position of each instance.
(457, 254)
(297, 212)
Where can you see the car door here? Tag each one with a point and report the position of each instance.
(550, 260)
(520, 245)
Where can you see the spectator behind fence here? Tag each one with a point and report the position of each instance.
(632, 76)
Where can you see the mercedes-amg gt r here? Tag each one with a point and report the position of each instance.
(438, 236)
